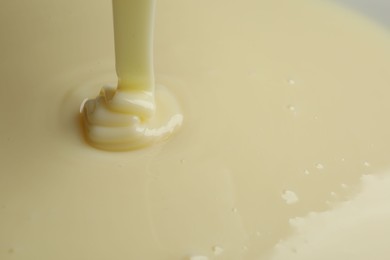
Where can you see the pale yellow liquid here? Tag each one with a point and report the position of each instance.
(286, 107)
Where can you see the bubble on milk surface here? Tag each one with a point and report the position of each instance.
(290, 197)
(292, 108)
(217, 250)
(320, 166)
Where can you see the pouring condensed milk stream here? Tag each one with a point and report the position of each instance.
(127, 118)
(283, 153)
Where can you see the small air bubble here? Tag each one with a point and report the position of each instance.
(343, 185)
(245, 248)
(306, 172)
(320, 166)
(217, 250)
(182, 161)
(290, 197)
(333, 194)
(367, 164)
(291, 108)
(234, 210)
(291, 81)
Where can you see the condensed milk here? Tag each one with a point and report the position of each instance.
(282, 154)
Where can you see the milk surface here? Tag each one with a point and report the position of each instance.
(285, 106)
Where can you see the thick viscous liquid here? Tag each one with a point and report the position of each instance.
(134, 114)
(286, 106)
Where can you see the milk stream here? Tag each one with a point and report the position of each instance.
(134, 114)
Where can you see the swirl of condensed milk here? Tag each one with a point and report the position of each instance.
(137, 113)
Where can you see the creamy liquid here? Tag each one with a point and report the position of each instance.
(134, 114)
(286, 107)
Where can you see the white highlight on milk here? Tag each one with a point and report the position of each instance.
(347, 231)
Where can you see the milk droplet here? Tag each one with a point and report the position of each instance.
(367, 164)
(333, 194)
(306, 172)
(217, 250)
(234, 210)
(290, 197)
(343, 185)
(245, 248)
(182, 161)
